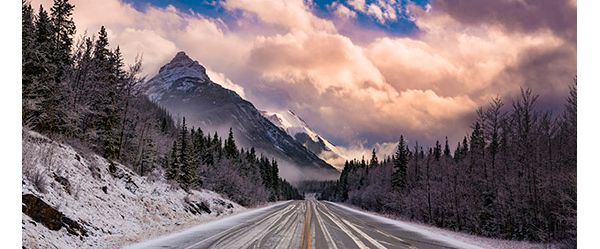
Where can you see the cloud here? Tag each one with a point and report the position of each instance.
(358, 150)
(559, 16)
(375, 11)
(292, 14)
(222, 80)
(367, 91)
(358, 5)
(342, 11)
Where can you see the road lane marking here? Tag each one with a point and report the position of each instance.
(369, 238)
(345, 229)
(240, 227)
(251, 234)
(328, 239)
(281, 227)
(306, 240)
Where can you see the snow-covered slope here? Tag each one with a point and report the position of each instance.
(111, 205)
(296, 127)
(184, 89)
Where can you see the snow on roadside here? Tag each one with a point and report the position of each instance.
(221, 224)
(458, 239)
(115, 209)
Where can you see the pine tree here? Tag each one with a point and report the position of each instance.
(105, 97)
(62, 40)
(198, 145)
(187, 176)
(174, 164)
(437, 150)
(400, 166)
(28, 46)
(30, 61)
(43, 32)
(374, 161)
(148, 156)
(447, 149)
(230, 148)
(46, 95)
(275, 177)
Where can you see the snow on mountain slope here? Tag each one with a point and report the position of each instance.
(184, 89)
(297, 128)
(179, 67)
(111, 205)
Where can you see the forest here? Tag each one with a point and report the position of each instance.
(514, 177)
(81, 92)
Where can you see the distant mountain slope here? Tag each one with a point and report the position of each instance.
(296, 127)
(183, 88)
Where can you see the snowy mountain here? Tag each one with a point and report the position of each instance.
(184, 89)
(296, 127)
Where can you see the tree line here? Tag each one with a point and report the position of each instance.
(82, 93)
(514, 177)
(203, 160)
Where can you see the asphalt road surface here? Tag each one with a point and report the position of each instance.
(302, 224)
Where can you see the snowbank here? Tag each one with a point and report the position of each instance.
(115, 208)
(457, 239)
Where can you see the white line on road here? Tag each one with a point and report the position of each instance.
(328, 239)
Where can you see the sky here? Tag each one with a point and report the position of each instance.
(359, 72)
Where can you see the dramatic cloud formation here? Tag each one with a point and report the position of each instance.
(360, 87)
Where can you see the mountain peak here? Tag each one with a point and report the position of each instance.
(182, 56)
(182, 73)
(183, 61)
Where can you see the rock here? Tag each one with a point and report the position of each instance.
(105, 189)
(112, 168)
(195, 207)
(218, 202)
(131, 186)
(48, 216)
(64, 182)
(95, 171)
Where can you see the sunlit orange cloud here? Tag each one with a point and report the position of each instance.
(424, 86)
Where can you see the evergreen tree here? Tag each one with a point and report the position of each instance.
(447, 149)
(458, 153)
(105, 97)
(230, 148)
(62, 40)
(188, 173)
(174, 164)
(43, 32)
(148, 154)
(374, 161)
(400, 166)
(437, 150)
(46, 95)
(30, 64)
(29, 50)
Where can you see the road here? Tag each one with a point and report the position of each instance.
(303, 224)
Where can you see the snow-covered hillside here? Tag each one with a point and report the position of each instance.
(80, 200)
(297, 128)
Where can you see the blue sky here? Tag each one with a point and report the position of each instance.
(402, 25)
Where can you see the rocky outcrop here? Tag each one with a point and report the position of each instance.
(48, 216)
